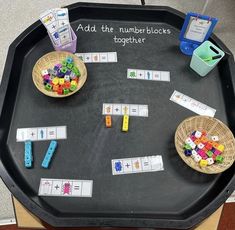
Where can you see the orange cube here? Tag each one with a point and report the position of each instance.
(55, 88)
(204, 139)
(197, 141)
(108, 121)
(215, 145)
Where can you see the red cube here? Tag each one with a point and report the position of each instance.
(67, 85)
(60, 90)
(208, 146)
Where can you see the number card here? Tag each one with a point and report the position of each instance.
(65, 187)
(102, 57)
(134, 110)
(192, 104)
(137, 165)
(41, 133)
(148, 75)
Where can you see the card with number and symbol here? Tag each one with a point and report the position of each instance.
(65, 187)
(41, 133)
(137, 165)
(134, 110)
(103, 57)
(152, 75)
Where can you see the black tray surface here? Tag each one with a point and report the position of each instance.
(177, 197)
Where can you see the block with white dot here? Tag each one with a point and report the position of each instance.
(200, 146)
(194, 153)
(197, 158)
(188, 140)
(44, 72)
(210, 161)
(198, 134)
(192, 145)
(215, 138)
(67, 78)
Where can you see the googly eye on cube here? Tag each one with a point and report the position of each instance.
(203, 148)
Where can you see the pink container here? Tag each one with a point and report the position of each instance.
(70, 47)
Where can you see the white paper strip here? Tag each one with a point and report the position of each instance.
(103, 57)
(65, 187)
(192, 104)
(41, 133)
(122, 109)
(151, 75)
(137, 165)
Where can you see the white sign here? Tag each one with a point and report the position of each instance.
(125, 109)
(192, 104)
(137, 165)
(65, 187)
(41, 133)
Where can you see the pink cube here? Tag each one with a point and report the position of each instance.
(202, 153)
(217, 152)
(47, 77)
(193, 138)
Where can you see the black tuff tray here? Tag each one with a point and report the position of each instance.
(177, 197)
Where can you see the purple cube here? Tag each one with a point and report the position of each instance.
(68, 72)
(60, 74)
(187, 152)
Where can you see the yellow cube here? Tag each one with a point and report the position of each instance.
(74, 83)
(61, 81)
(55, 81)
(125, 123)
(220, 148)
(203, 163)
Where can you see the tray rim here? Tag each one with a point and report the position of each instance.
(91, 221)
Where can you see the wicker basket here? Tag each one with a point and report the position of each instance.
(48, 61)
(213, 127)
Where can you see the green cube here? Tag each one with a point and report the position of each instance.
(65, 91)
(187, 146)
(70, 65)
(73, 88)
(78, 73)
(209, 153)
(64, 63)
(63, 69)
(74, 69)
(219, 159)
(48, 87)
